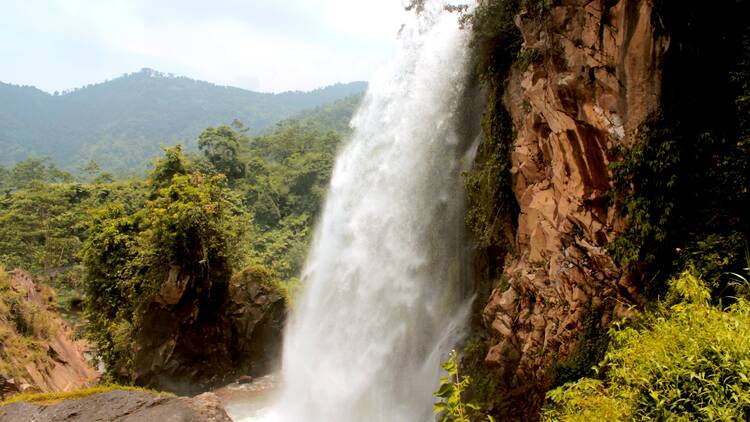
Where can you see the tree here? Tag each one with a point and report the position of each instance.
(189, 225)
(32, 170)
(222, 147)
(5, 181)
(166, 168)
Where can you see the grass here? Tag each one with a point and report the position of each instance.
(47, 399)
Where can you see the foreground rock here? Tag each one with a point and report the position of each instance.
(119, 405)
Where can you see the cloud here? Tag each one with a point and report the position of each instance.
(263, 45)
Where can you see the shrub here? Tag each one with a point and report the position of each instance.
(689, 361)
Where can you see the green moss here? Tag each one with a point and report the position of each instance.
(487, 388)
(491, 206)
(491, 203)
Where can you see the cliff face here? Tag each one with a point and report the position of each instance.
(38, 352)
(592, 77)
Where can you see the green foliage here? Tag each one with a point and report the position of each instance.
(496, 40)
(173, 164)
(258, 274)
(188, 223)
(39, 229)
(287, 176)
(452, 407)
(42, 226)
(26, 173)
(334, 116)
(491, 203)
(684, 185)
(590, 349)
(689, 361)
(123, 123)
(126, 238)
(487, 386)
(740, 282)
(221, 147)
(491, 206)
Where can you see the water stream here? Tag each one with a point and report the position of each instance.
(386, 294)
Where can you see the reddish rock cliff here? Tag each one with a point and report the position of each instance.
(592, 80)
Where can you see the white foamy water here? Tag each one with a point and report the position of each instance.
(385, 284)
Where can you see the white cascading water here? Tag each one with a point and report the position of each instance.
(385, 283)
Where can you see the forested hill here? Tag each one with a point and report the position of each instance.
(123, 123)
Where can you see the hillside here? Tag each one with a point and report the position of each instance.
(122, 123)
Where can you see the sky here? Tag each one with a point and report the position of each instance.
(261, 45)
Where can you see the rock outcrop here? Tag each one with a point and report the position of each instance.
(257, 312)
(62, 366)
(594, 79)
(194, 338)
(119, 405)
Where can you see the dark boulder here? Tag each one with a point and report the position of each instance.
(197, 336)
(257, 312)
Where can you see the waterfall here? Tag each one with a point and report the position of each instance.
(385, 292)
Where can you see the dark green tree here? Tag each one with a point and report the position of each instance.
(222, 147)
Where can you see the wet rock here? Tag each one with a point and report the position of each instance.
(257, 313)
(245, 379)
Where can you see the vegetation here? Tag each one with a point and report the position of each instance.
(243, 209)
(43, 223)
(289, 170)
(187, 224)
(334, 116)
(684, 185)
(491, 204)
(590, 349)
(452, 406)
(24, 327)
(687, 361)
(122, 124)
(237, 207)
(58, 396)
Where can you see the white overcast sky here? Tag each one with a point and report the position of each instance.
(263, 45)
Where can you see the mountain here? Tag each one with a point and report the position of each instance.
(124, 122)
(334, 116)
